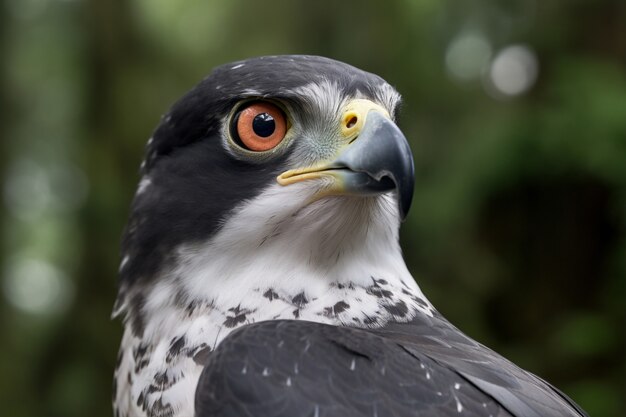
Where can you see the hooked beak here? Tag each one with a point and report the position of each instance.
(377, 160)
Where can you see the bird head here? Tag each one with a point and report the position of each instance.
(283, 147)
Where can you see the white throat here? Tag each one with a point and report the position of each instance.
(268, 261)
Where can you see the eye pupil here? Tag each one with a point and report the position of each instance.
(263, 125)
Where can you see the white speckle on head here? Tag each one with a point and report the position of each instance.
(295, 368)
(288, 382)
(427, 375)
(457, 385)
(251, 92)
(352, 365)
(125, 260)
(143, 185)
(150, 140)
(244, 370)
(237, 66)
(266, 372)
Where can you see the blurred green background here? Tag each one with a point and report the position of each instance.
(516, 111)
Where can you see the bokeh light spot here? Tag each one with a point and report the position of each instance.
(27, 191)
(32, 189)
(513, 71)
(36, 286)
(467, 56)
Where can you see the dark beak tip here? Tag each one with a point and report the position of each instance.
(405, 197)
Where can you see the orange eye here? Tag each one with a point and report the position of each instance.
(260, 126)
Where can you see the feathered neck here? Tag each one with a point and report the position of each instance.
(266, 262)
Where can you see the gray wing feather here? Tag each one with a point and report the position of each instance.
(423, 368)
(519, 391)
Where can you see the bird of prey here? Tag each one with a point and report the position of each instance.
(261, 271)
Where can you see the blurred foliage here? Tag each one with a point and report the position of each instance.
(517, 231)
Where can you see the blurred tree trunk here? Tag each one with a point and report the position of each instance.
(109, 48)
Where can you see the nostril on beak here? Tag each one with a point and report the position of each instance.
(350, 124)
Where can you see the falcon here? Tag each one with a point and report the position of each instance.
(261, 273)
